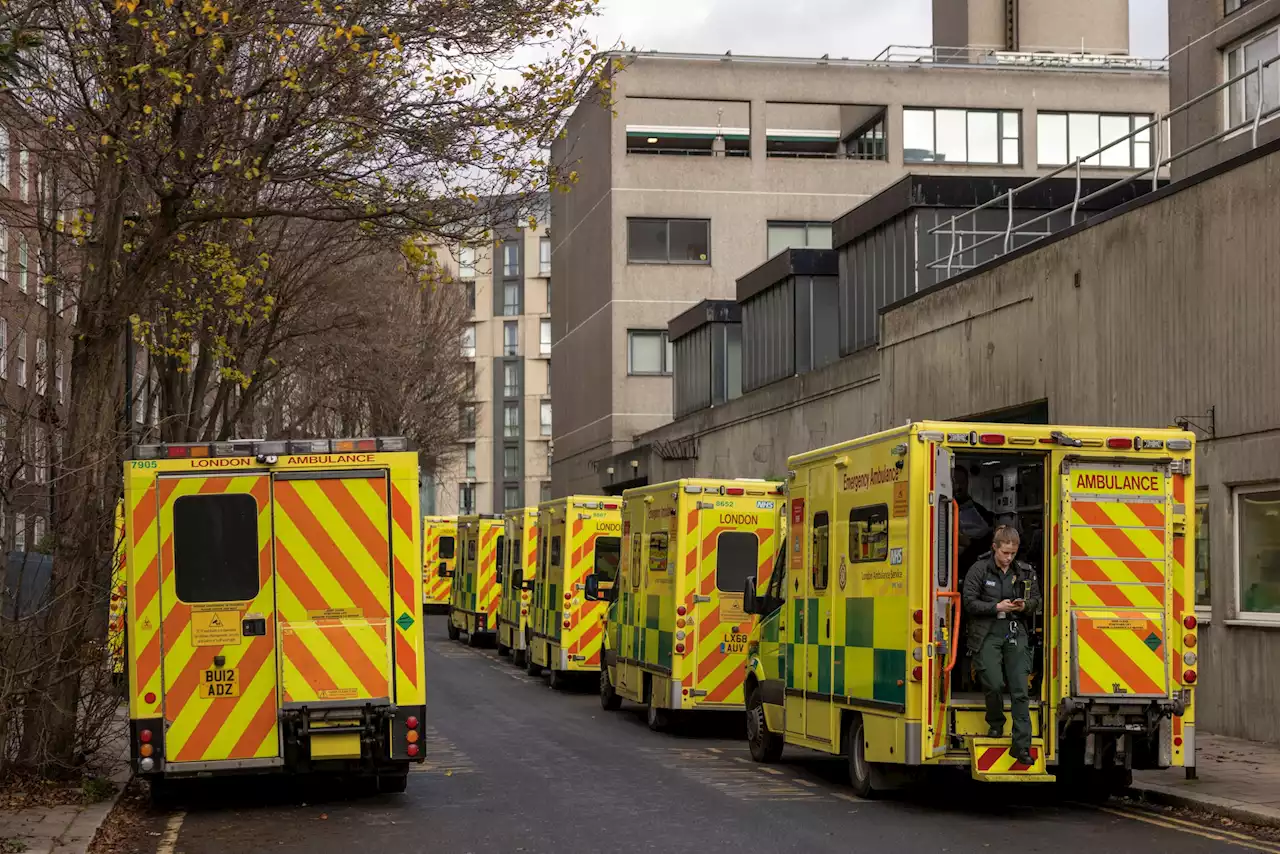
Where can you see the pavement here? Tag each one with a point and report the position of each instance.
(513, 766)
(69, 828)
(1234, 778)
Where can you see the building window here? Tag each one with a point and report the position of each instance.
(544, 491)
(471, 296)
(37, 532)
(469, 460)
(469, 379)
(511, 338)
(4, 156)
(669, 241)
(1244, 55)
(960, 136)
(22, 359)
(467, 419)
(870, 143)
(467, 262)
(1063, 137)
(4, 249)
(23, 262)
(511, 299)
(1230, 6)
(24, 175)
(510, 462)
(1202, 554)
(511, 379)
(648, 352)
(798, 235)
(510, 260)
(510, 497)
(42, 367)
(57, 376)
(19, 532)
(466, 499)
(511, 420)
(1258, 552)
(546, 418)
(544, 337)
(4, 349)
(544, 256)
(469, 342)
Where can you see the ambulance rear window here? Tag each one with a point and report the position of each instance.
(737, 557)
(608, 558)
(446, 548)
(215, 548)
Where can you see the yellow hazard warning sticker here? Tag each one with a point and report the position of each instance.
(336, 614)
(337, 693)
(220, 682)
(1119, 625)
(215, 628)
(900, 500)
(731, 607)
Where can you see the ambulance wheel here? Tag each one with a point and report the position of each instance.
(503, 649)
(473, 639)
(862, 774)
(454, 633)
(658, 719)
(165, 794)
(558, 680)
(609, 699)
(519, 657)
(393, 784)
(532, 667)
(765, 746)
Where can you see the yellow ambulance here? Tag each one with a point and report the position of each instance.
(274, 609)
(676, 636)
(515, 581)
(439, 554)
(117, 598)
(860, 648)
(473, 602)
(578, 536)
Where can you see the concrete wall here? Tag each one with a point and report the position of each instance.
(1143, 318)
(1100, 26)
(1198, 36)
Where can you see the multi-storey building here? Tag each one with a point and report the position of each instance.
(714, 164)
(504, 456)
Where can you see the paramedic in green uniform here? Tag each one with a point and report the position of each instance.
(1000, 596)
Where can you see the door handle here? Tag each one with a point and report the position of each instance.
(828, 627)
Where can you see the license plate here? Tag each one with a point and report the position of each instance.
(220, 682)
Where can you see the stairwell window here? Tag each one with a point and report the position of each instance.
(961, 136)
(544, 256)
(649, 353)
(23, 263)
(544, 338)
(467, 262)
(1244, 55)
(1063, 137)
(469, 342)
(546, 418)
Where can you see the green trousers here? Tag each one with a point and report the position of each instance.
(1004, 662)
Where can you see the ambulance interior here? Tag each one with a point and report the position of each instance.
(996, 489)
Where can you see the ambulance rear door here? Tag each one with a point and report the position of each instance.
(218, 628)
(334, 595)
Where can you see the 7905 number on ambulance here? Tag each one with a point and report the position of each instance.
(275, 609)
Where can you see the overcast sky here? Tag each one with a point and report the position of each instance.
(852, 28)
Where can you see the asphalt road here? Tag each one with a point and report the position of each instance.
(515, 767)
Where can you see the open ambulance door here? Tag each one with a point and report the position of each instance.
(944, 616)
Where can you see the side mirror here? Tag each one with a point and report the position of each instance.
(749, 603)
(517, 579)
(591, 588)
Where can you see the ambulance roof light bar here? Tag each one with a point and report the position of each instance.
(258, 447)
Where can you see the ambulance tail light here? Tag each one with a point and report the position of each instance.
(1189, 640)
(346, 446)
(918, 616)
(917, 673)
(990, 438)
(1189, 677)
(608, 506)
(680, 649)
(1119, 444)
(411, 722)
(1178, 444)
(735, 490)
(1189, 621)
(681, 611)
(177, 452)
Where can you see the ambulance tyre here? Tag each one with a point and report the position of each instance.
(609, 699)
(531, 667)
(866, 780)
(659, 720)
(519, 657)
(503, 649)
(765, 746)
(473, 639)
(454, 634)
(557, 679)
(165, 793)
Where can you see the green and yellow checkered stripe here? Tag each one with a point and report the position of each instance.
(868, 659)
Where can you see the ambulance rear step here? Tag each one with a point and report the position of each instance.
(991, 761)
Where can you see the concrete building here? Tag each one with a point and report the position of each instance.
(504, 456)
(1034, 26)
(716, 163)
(1158, 309)
(1210, 43)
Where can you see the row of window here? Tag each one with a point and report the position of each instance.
(510, 339)
(510, 496)
(19, 356)
(510, 253)
(24, 166)
(35, 447)
(1256, 513)
(688, 241)
(1245, 55)
(510, 425)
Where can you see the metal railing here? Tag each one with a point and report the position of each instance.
(1071, 58)
(1159, 127)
